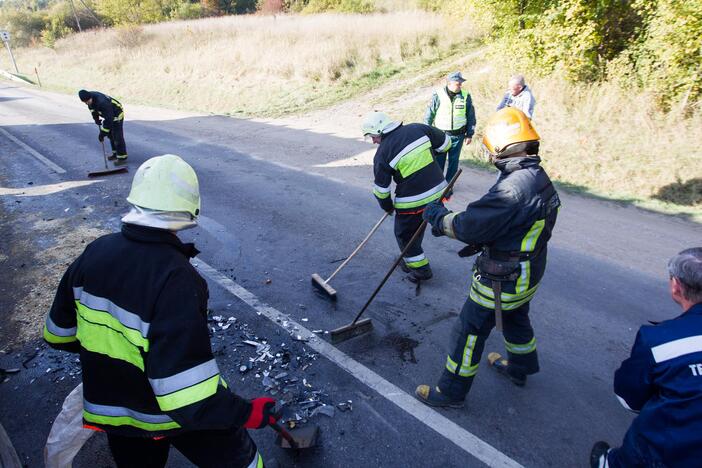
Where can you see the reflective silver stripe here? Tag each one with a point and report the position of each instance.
(445, 146)
(415, 258)
(380, 189)
(59, 331)
(104, 410)
(624, 403)
(426, 194)
(677, 348)
(185, 379)
(124, 317)
(448, 225)
(407, 149)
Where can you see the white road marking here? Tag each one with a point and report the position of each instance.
(44, 160)
(444, 426)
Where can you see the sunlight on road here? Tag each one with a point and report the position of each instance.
(39, 190)
(364, 158)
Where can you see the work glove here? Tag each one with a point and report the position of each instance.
(434, 214)
(97, 122)
(386, 204)
(102, 136)
(262, 413)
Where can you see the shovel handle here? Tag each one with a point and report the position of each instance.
(404, 251)
(104, 154)
(284, 434)
(360, 246)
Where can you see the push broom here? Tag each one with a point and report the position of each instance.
(323, 285)
(360, 327)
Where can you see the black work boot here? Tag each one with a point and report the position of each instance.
(598, 455)
(121, 159)
(434, 397)
(404, 267)
(502, 366)
(113, 156)
(420, 274)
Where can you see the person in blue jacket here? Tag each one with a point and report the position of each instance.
(662, 382)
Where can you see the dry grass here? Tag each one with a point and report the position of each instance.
(253, 65)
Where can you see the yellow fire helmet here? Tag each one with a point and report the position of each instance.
(166, 183)
(506, 127)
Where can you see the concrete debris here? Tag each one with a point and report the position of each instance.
(345, 406)
(326, 410)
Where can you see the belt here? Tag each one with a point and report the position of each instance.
(459, 132)
(514, 256)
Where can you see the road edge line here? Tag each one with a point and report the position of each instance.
(43, 159)
(451, 431)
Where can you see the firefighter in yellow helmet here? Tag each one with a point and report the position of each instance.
(510, 227)
(135, 309)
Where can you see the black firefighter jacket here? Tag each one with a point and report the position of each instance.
(135, 309)
(514, 220)
(106, 107)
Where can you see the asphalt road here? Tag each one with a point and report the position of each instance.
(281, 202)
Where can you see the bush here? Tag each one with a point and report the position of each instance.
(187, 10)
(342, 6)
(25, 26)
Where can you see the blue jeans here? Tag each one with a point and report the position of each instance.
(453, 155)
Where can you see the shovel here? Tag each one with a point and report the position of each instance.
(296, 439)
(107, 170)
(357, 328)
(323, 285)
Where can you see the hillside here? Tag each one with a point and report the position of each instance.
(330, 69)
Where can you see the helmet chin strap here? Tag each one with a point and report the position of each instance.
(170, 220)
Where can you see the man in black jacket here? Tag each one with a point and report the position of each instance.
(510, 226)
(112, 125)
(135, 309)
(405, 155)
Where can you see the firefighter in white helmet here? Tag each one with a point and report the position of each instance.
(405, 156)
(135, 309)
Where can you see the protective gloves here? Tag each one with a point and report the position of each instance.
(386, 204)
(262, 413)
(434, 214)
(101, 136)
(97, 122)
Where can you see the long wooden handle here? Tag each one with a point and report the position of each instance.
(404, 251)
(360, 246)
(284, 434)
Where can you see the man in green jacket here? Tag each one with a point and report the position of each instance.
(451, 110)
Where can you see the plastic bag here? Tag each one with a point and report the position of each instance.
(67, 435)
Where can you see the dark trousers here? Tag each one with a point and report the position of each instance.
(226, 448)
(468, 337)
(119, 147)
(454, 154)
(405, 227)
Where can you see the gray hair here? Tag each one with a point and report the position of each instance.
(687, 268)
(519, 79)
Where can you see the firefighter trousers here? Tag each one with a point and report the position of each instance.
(232, 448)
(405, 227)
(119, 147)
(468, 337)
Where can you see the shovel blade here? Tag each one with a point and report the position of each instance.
(117, 170)
(352, 330)
(304, 437)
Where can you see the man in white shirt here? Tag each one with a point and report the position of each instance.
(518, 95)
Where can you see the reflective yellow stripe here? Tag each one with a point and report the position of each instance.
(99, 332)
(422, 202)
(189, 395)
(525, 348)
(467, 370)
(56, 339)
(531, 237)
(415, 160)
(128, 421)
(380, 194)
(524, 277)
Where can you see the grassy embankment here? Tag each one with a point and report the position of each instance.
(596, 138)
